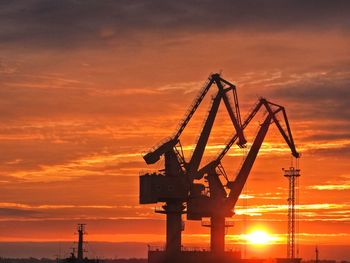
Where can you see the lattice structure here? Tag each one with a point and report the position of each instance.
(292, 174)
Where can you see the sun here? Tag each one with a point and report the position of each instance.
(259, 237)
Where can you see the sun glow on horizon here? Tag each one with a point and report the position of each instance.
(260, 237)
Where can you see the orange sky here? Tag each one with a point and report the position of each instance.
(81, 99)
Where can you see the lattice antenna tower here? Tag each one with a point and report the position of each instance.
(293, 174)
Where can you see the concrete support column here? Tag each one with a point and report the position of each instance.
(217, 238)
(173, 212)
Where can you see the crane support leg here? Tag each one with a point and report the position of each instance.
(173, 211)
(217, 235)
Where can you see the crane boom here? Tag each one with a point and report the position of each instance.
(193, 108)
(154, 155)
(287, 136)
(237, 185)
(193, 165)
(235, 136)
(228, 146)
(197, 155)
(235, 119)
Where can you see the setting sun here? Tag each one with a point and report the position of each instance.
(259, 237)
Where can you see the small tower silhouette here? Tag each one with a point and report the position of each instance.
(293, 175)
(81, 232)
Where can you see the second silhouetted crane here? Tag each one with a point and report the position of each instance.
(220, 204)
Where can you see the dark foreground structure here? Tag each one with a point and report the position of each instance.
(157, 256)
(206, 192)
(288, 260)
(204, 256)
(79, 258)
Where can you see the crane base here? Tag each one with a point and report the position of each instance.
(194, 256)
(288, 260)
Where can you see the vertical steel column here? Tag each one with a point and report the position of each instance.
(217, 235)
(173, 211)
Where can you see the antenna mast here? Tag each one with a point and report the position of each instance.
(81, 232)
(292, 174)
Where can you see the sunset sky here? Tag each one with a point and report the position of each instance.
(86, 87)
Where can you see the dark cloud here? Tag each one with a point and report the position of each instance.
(338, 153)
(322, 97)
(69, 23)
(13, 212)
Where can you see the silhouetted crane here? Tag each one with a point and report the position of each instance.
(220, 204)
(173, 185)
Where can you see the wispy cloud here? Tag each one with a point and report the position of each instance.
(331, 187)
(322, 211)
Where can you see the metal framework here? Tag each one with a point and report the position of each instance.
(293, 175)
(175, 184)
(220, 204)
(175, 181)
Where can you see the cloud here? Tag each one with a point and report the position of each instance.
(331, 187)
(340, 151)
(319, 97)
(318, 211)
(87, 85)
(340, 183)
(12, 212)
(70, 23)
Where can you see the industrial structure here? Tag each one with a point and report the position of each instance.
(293, 175)
(176, 186)
(79, 258)
(206, 205)
(173, 184)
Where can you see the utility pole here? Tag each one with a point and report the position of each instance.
(292, 174)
